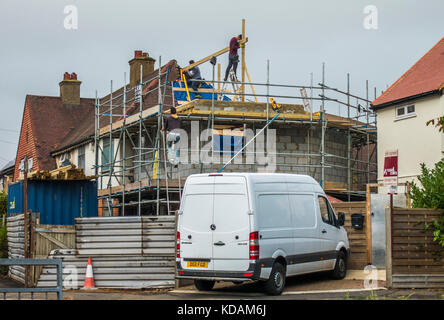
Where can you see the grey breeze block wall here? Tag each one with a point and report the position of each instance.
(298, 151)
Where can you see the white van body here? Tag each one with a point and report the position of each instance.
(220, 214)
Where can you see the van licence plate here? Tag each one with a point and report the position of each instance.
(197, 264)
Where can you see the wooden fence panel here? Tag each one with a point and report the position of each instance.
(415, 257)
(47, 238)
(413, 249)
(357, 238)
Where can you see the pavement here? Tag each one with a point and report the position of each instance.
(308, 287)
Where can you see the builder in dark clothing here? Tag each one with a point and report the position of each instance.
(194, 74)
(173, 122)
(233, 57)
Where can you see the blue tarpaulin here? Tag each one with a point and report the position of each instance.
(182, 95)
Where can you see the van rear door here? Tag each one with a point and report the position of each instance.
(232, 224)
(195, 224)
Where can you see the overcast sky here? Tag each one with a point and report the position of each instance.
(296, 36)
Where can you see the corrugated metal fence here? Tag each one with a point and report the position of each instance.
(16, 245)
(126, 252)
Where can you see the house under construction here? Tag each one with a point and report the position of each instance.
(225, 126)
(135, 176)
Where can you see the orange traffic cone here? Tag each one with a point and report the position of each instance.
(89, 277)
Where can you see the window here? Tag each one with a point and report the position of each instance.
(273, 211)
(405, 112)
(81, 158)
(227, 141)
(65, 159)
(327, 213)
(303, 206)
(108, 149)
(22, 165)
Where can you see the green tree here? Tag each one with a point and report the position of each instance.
(431, 195)
(438, 122)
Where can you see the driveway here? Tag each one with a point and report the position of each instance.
(308, 287)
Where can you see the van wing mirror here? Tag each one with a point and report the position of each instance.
(179, 212)
(341, 219)
(250, 212)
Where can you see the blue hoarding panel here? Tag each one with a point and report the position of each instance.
(58, 202)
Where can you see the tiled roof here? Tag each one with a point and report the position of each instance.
(51, 122)
(85, 130)
(7, 166)
(424, 77)
(333, 199)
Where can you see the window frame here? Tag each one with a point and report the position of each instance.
(105, 155)
(333, 220)
(81, 157)
(406, 114)
(218, 136)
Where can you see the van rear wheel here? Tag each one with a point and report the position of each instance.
(340, 269)
(276, 283)
(204, 285)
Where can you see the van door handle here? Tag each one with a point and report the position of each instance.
(219, 243)
(324, 231)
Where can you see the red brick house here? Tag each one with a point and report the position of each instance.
(47, 121)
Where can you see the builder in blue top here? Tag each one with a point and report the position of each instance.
(233, 57)
(194, 74)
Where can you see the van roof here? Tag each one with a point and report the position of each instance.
(266, 177)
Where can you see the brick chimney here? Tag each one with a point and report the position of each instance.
(140, 59)
(70, 89)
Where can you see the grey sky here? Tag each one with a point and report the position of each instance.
(296, 36)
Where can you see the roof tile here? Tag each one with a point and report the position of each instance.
(426, 75)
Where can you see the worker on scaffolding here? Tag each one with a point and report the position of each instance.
(172, 124)
(233, 57)
(194, 74)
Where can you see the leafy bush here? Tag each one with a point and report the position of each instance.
(3, 247)
(431, 195)
(3, 235)
(3, 203)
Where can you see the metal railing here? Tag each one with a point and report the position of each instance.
(35, 262)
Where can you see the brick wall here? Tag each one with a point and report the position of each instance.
(26, 144)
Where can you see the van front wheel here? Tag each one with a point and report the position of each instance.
(340, 269)
(204, 285)
(276, 283)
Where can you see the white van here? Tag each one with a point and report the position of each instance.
(257, 226)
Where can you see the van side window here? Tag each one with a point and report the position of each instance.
(303, 207)
(327, 213)
(274, 211)
(323, 207)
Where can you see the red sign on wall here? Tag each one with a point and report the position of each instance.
(391, 171)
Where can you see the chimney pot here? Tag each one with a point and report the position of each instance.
(66, 76)
(73, 76)
(137, 53)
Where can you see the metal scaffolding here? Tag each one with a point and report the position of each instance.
(131, 165)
